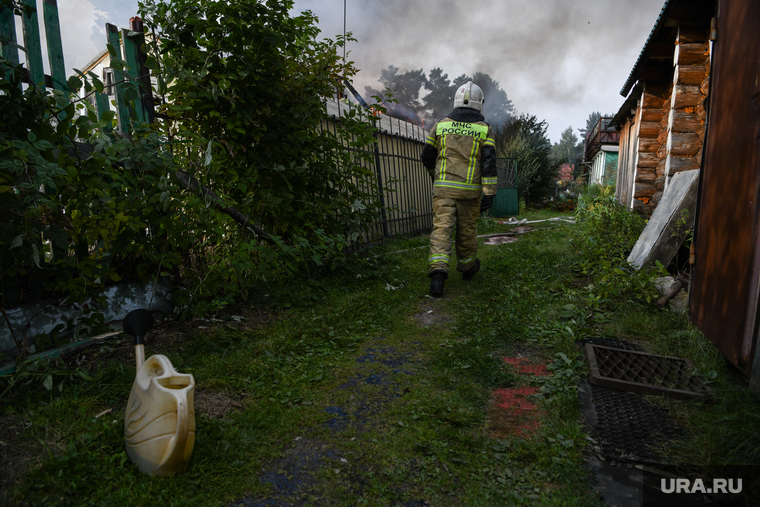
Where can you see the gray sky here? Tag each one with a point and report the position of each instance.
(557, 59)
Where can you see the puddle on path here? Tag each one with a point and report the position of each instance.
(503, 238)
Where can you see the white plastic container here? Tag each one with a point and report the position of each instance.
(159, 426)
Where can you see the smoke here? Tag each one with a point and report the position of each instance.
(557, 59)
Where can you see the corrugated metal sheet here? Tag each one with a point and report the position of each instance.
(724, 291)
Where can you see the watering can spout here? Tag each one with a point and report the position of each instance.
(137, 323)
(159, 426)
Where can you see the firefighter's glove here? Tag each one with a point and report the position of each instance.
(486, 202)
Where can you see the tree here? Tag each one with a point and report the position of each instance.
(524, 139)
(439, 100)
(244, 83)
(440, 95)
(569, 149)
(591, 122)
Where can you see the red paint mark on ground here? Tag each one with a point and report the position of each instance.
(514, 399)
(522, 365)
(512, 413)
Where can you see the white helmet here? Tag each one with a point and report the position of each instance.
(469, 95)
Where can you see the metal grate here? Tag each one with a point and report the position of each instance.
(629, 428)
(609, 342)
(643, 373)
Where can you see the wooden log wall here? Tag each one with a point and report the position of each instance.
(686, 118)
(673, 121)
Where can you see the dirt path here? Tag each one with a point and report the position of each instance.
(392, 375)
(329, 461)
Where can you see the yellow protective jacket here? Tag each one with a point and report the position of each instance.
(460, 155)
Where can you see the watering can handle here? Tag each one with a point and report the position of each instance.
(178, 449)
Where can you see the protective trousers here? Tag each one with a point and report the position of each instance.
(447, 213)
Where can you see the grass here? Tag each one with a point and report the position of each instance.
(363, 391)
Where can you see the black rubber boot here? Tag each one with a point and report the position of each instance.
(436, 285)
(470, 273)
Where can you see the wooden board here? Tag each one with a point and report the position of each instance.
(33, 44)
(54, 46)
(662, 235)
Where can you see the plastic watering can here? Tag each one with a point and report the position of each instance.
(159, 426)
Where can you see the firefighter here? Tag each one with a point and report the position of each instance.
(460, 156)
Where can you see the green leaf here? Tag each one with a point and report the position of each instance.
(48, 383)
(17, 241)
(107, 115)
(35, 255)
(74, 83)
(207, 160)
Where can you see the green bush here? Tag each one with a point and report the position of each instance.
(607, 226)
(606, 234)
(76, 219)
(238, 142)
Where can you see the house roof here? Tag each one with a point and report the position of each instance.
(644, 55)
(656, 55)
(628, 106)
(98, 58)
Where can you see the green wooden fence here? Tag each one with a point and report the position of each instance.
(133, 98)
(133, 94)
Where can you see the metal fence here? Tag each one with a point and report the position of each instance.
(506, 171)
(400, 183)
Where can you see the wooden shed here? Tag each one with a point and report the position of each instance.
(662, 121)
(693, 102)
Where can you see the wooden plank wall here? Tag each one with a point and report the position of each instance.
(407, 189)
(628, 159)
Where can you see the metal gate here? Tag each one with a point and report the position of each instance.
(724, 289)
(506, 202)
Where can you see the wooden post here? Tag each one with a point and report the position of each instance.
(130, 56)
(689, 74)
(649, 129)
(33, 44)
(55, 48)
(682, 121)
(146, 95)
(676, 164)
(122, 111)
(8, 36)
(689, 54)
(685, 96)
(684, 143)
